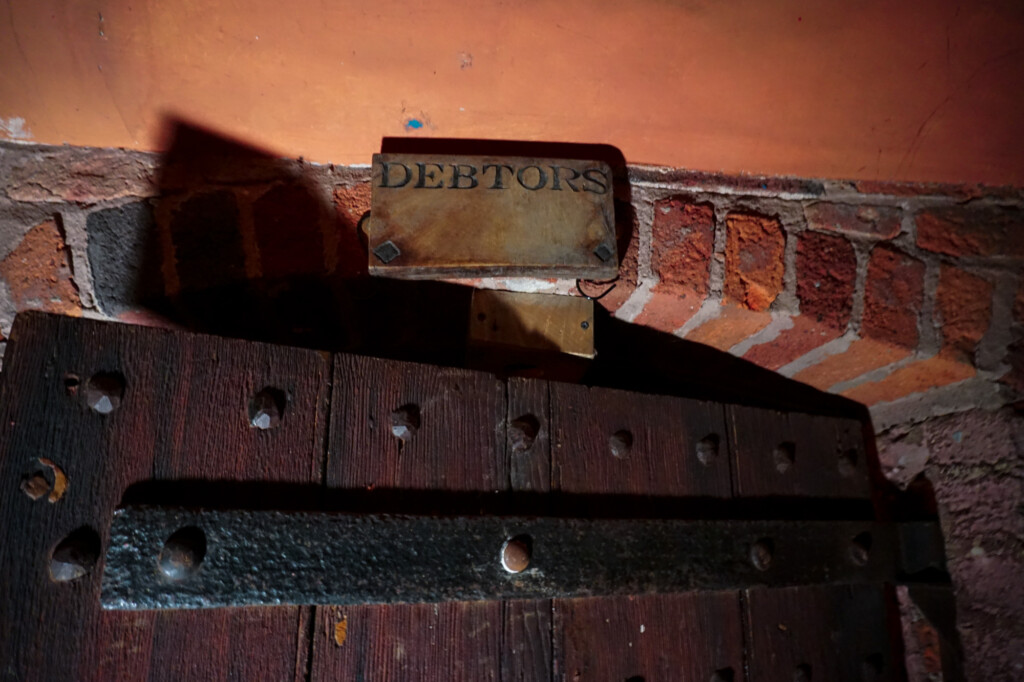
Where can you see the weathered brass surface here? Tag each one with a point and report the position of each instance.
(473, 216)
(541, 322)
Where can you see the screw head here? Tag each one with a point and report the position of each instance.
(182, 553)
(75, 555)
(35, 485)
(522, 432)
(707, 449)
(516, 554)
(603, 252)
(43, 477)
(872, 667)
(847, 463)
(784, 456)
(761, 554)
(405, 422)
(266, 409)
(104, 392)
(386, 252)
(860, 549)
(620, 444)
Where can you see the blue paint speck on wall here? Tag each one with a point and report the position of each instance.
(413, 124)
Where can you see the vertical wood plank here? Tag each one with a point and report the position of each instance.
(526, 632)
(529, 439)
(679, 449)
(820, 449)
(668, 438)
(457, 443)
(650, 637)
(205, 434)
(841, 634)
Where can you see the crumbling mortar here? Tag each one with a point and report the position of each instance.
(645, 214)
(16, 219)
(816, 355)
(877, 374)
(73, 226)
(244, 200)
(716, 271)
(640, 176)
(929, 324)
(977, 392)
(862, 252)
(993, 350)
(793, 224)
(781, 321)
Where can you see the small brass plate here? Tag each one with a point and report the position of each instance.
(474, 216)
(539, 322)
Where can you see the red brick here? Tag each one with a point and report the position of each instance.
(289, 235)
(965, 306)
(208, 249)
(683, 241)
(806, 334)
(38, 272)
(732, 325)
(753, 260)
(861, 357)
(972, 231)
(668, 311)
(350, 203)
(625, 220)
(826, 269)
(872, 221)
(917, 377)
(893, 294)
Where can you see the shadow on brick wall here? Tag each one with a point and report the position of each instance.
(241, 243)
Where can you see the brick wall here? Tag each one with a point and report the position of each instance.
(907, 297)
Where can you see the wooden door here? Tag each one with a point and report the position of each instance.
(183, 415)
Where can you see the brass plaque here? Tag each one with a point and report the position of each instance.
(476, 216)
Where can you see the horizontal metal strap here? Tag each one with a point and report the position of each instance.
(166, 558)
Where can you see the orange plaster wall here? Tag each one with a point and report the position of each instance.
(922, 90)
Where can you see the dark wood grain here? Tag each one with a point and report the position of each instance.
(526, 624)
(685, 637)
(843, 634)
(183, 415)
(455, 641)
(206, 435)
(529, 467)
(663, 458)
(818, 444)
(649, 637)
(460, 442)
(459, 445)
